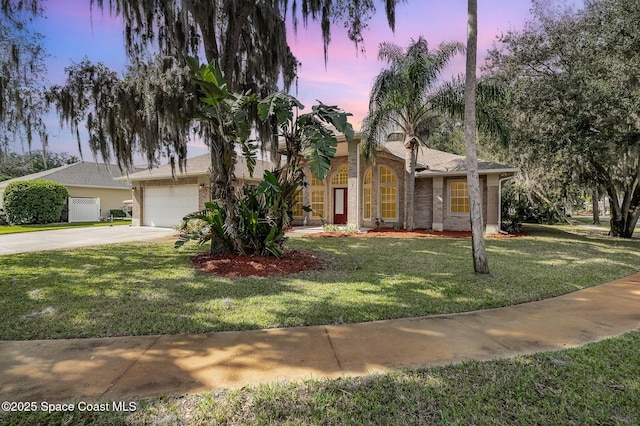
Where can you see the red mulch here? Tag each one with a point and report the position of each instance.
(401, 233)
(293, 261)
(232, 265)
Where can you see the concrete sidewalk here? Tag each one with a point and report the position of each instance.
(78, 237)
(127, 368)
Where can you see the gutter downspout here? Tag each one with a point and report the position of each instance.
(500, 204)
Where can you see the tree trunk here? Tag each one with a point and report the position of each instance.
(409, 186)
(624, 216)
(480, 261)
(232, 43)
(595, 202)
(222, 179)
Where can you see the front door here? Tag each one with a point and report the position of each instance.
(340, 206)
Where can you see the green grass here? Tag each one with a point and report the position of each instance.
(150, 288)
(595, 384)
(589, 221)
(15, 229)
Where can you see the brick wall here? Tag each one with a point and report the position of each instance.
(461, 221)
(423, 215)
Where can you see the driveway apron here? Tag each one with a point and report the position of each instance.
(78, 237)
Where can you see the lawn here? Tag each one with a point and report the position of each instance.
(595, 384)
(15, 229)
(150, 288)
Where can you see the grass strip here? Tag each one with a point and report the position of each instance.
(16, 229)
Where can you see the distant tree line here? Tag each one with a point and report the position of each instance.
(13, 165)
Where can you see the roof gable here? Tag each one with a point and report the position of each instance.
(82, 173)
(436, 162)
(197, 166)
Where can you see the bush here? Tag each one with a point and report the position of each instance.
(264, 215)
(117, 213)
(3, 218)
(35, 201)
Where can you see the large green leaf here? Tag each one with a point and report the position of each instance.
(320, 147)
(279, 105)
(336, 117)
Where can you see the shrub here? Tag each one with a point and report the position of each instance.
(35, 201)
(345, 229)
(117, 213)
(263, 213)
(3, 218)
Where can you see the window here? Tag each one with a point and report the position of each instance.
(297, 207)
(317, 197)
(459, 197)
(366, 195)
(341, 177)
(388, 194)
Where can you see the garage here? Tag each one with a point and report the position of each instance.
(165, 206)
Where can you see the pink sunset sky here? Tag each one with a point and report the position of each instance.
(71, 34)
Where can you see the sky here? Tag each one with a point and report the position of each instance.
(72, 32)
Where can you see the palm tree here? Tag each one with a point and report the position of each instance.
(402, 98)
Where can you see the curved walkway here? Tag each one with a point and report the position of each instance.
(127, 368)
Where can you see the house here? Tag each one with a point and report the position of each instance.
(162, 196)
(370, 195)
(354, 192)
(85, 179)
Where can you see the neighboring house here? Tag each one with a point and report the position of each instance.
(162, 197)
(87, 180)
(354, 192)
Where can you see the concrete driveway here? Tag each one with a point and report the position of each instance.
(78, 237)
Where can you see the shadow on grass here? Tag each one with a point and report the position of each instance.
(147, 289)
(150, 288)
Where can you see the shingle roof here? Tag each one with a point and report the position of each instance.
(83, 173)
(443, 163)
(198, 166)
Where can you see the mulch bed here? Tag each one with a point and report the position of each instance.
(401, 233)
(232, 265)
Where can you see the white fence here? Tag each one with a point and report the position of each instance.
(84, 209)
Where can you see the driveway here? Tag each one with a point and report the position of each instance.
(78, 237)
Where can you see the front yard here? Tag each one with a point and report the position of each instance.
(150, 288)
(145, 288)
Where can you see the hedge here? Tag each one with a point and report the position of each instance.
(34, 201)
(117, 213)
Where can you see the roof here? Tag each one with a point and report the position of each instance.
(198, 166)
(83, 174)
(436, 162)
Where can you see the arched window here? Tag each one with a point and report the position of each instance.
(388, 195)
(297, 207)
(317, 197)
(341, 177)
(366, 195)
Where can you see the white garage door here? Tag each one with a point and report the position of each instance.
(165, 206)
